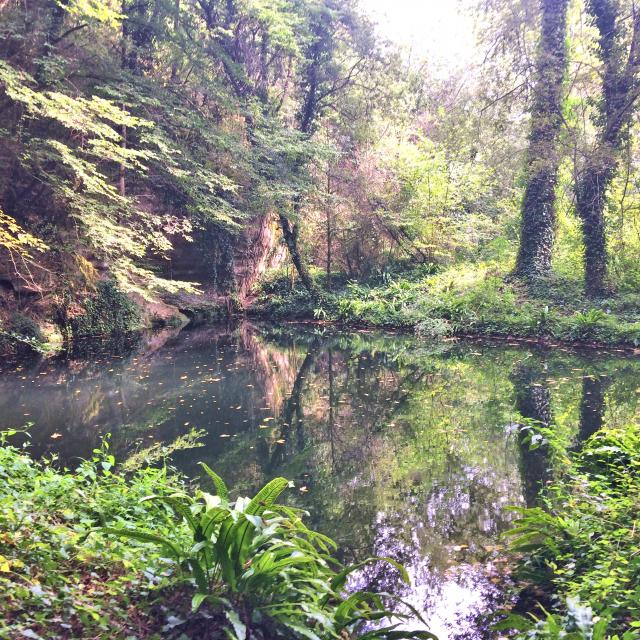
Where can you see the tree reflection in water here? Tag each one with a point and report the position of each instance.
(397, 447)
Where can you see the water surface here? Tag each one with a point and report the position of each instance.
(398, 447)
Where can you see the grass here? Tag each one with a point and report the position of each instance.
(462, 300)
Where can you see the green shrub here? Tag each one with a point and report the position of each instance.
(257, 562)
(433, 328)
(90, 553)
(107, 313)
(26, 328)
(22, 336)
(584, 542)
(53, 577)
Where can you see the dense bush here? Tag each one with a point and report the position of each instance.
(109, 312)
(22, 336)
(55, 579)
(582, 544)
(91, 553)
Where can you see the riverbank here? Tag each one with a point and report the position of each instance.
(136, 551)
(478, 302)
(473, 303)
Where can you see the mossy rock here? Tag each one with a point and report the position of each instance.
(109, 312)
(22, 336)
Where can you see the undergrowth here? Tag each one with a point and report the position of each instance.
(102, 552)
(463, 301)
(581, 545)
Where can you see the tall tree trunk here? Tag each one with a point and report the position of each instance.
(306, 121)
(329, 230)
(590, 191)
(122, 178)
(615, 112)
(538, 207)
(291, 233)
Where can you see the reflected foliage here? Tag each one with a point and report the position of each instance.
(398, 447)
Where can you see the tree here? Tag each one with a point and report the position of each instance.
(538, 206)
(337, 46)
(613, 117)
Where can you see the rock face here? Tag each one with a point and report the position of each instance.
(156, 314)
(223, 266)
(258, 249)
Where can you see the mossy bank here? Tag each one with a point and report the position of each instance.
(462, 301)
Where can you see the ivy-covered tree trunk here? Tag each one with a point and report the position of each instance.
(615, 113)
(590, 204)
(538, 207)
(592, 406)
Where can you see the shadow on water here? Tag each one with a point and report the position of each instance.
(397, 447)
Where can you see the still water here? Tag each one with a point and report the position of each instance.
(398, 447)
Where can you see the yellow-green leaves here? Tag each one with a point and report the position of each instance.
(93, 117)
(103, 11)
(14, 238)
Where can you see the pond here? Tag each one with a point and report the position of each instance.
(398, 447)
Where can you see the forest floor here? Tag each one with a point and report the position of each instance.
(463, 301)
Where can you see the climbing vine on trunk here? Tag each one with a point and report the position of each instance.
(538, 205)
(613, 118)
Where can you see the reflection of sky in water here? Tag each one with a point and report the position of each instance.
(453, 584)
(397, 448)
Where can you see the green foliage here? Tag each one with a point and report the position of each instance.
(463, 301)
(26, 327)
(583, 544)
(279, 297)
(89, 550)
(442, 200)
(23, 336)
(109, 312)
(578, 623)
(113, 224)
(14, 238)
(259, 563)
(52, 573)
